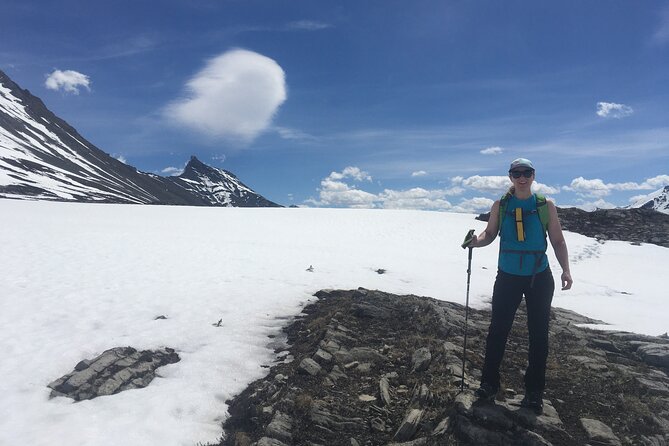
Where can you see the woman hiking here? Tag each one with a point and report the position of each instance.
(523, 270)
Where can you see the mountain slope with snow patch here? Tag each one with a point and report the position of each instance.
(43, 157)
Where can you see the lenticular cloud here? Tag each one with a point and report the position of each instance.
(234, 96)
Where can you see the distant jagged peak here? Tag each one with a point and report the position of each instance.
(196, 169)
(658, 200)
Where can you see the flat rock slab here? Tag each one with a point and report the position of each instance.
(655, 354)
(599, 432)
(115, 370)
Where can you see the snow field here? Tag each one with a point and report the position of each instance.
(78, 279)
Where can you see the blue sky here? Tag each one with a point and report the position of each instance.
(387, 104)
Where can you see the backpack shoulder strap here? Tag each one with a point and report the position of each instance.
(542, 210)
(503, 202)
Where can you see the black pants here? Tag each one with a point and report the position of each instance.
(507, 294)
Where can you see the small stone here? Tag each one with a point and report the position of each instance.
(442, 427)
(351, 365)
(377, 424)
(409, 425)
(421, 359)
(82, 365)
(310, 367)
(322, 357)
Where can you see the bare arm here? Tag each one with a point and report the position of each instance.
(559, 245)
(490, 233)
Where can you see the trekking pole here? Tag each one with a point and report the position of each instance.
(465, 244)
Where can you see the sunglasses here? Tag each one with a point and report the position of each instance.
(524, 173)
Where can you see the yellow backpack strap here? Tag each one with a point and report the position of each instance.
(519, 224)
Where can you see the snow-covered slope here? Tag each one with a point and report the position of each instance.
(658, 200)
(78, 279)
(43, 157)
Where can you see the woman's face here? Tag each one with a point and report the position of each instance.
(522, 178)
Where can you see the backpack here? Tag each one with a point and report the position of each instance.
(542, 210)
(544, 217)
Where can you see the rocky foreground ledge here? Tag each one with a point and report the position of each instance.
(365, 367)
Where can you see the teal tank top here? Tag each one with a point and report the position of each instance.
(522, 258)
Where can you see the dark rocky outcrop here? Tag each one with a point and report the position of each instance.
(113, 371)
(633, 225)
(372, 368)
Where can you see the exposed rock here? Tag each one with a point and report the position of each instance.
(600, 432)
(113, 371)
(280, 427)
(369, 390)
(409, 425)
(655, 354)
(384, 390)
(266, 441)
(310, 367)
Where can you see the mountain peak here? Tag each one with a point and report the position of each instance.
(43, 157)
(658, 200)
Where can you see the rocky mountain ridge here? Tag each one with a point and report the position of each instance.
(43, 157)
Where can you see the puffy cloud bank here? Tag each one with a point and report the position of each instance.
(613, 110)
(343, 189)
(234, 96)
(598, 188)
(68, 81)
(337, 192)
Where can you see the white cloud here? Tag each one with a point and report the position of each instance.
(122, 159)
(492, 151)
(337, 193)
(544, 189)
(491, 184)
(597, 188)
(172, 171)
(307, 25)
(69, 81)
(498, 184)
(661, 36)
(656, 182)
(334, 191)
(474, 205)
(613, 110)
(294, 134)
(591, 188)
(416, 198)
(351, 172)
(419, 173)
(234, 96)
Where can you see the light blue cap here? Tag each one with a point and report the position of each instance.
(521, 162)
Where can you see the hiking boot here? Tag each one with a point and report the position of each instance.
(533, 401)
(487, 392)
